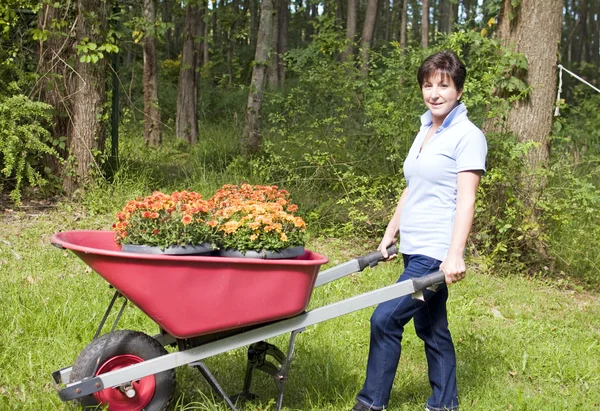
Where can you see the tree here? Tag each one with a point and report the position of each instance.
(152, 127)
(350, 28)
(186, 123)
(531, 120)
(367, 35)
(56, 74)
(89, 97)
(252, 139)
(425, 24)
(403, 19)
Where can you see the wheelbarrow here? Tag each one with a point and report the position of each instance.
(204, 306)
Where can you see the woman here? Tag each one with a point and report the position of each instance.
(433, 217)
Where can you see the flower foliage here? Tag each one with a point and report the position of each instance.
(181, 218)
(242, 218)
(257, 218)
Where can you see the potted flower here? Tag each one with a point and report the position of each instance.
(180, 223)
(257, 221)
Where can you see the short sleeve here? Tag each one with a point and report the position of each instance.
(471, 151)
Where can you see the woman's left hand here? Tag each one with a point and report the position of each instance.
(454, 268)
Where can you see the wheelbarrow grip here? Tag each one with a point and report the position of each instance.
(429, 280)
(371, 259)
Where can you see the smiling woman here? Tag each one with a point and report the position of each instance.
(433, 217)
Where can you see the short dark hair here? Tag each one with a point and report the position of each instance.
(443, 62)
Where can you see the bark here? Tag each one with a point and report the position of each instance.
(445, 16)
(57, 79)
(350, 29)
(339, 12)
(186, 122)
(415, 9)
(282, 41)
(252, 138)
(152, 127)
(206, 46)
(253, 23)
(583, 32)
(535, 32)
(367, 35)
(272, 71)
(167, 17)
(89, 98)
(388, 20)
(403, 19)
(425, 23)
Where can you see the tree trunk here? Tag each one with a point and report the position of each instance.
(89, 98)
(56, 79)
(583, 34)
(367, 35)
(167, 17)
(425, 23)
(272, 70)
(534, 31)
(403, 18)
(152, 128)
(253, 23)
(445, 16)
(415, 12)
(282, 41)
(206, 34)
(350, 29)
(252, 138)
(186, 122)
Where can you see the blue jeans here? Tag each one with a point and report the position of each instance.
(431, 325)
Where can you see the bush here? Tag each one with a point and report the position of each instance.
(24, 141)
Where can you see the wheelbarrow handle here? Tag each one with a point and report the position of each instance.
(372, 259)
(429, 280)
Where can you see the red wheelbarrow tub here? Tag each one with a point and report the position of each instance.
(188, 296)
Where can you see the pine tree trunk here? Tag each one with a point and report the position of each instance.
(350, 28)
(367, 35)
(403, 19)
(534, 31)
(89, 98)
(445, 16)
(152, 127)
(425, 23)
(253, 23)
(272, 70)
(282, 42)
(252, 138)
(186, 122)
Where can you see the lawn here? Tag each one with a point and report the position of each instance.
(522, 343)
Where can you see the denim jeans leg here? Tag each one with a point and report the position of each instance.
(431, 325)
(387, 325)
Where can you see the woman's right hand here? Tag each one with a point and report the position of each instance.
(383, 246)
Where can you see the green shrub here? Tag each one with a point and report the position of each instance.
(24, 141)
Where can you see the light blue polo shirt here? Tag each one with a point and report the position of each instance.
(427, 218)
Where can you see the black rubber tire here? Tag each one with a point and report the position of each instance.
(125, 342)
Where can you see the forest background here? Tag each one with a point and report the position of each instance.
(104, 101)
(317, 97)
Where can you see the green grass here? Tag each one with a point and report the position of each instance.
(522, 343)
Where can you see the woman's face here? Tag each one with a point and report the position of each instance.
(440, 96)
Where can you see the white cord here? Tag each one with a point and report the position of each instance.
(557, 110)
(561, 68)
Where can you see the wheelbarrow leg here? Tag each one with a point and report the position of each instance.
(285, 367)
(258, 354)
(214, 384)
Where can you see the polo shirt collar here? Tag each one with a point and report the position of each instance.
(457, 114)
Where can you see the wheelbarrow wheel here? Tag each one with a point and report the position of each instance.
(125, 348)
